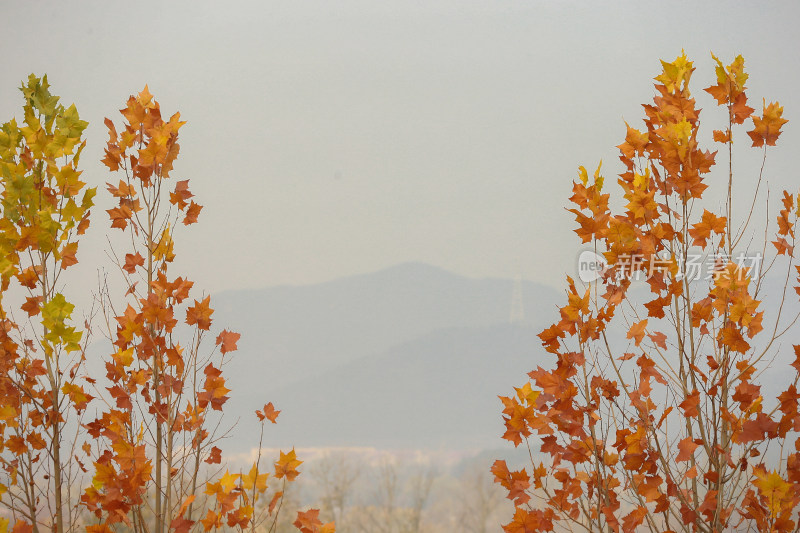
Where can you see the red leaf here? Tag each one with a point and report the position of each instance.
(215, 457)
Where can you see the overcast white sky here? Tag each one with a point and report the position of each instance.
(328, 138)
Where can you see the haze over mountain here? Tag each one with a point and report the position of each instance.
(408, 357)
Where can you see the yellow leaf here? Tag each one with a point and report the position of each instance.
(253, 479)
(9, 415)
(228, 482)
(640, 181)
(583, 175)
(772, 487)
(675, 75)
(163, 249)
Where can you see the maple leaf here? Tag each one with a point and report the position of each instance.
(633, 519)
(30, 276)
(192, 213)
(200, 314)
(691, 404)
(211, 521)
(767, 128)
(269, 413)
(309, 522)
(517, 482)
(240, 517)
(723, 137)
(77, 395)
(525, 521)
(635, 142)
(757, 429)
(676, 75)
(637, 331)
(227, 341)
(740, 110)
(274, 501)
(215, 457)
(228, 482)
(16, 445)
(119, 216)
(214, 389)
(286, 466)
(181, 194)
(731, 337)
(709, 223)
(179, 523)
(783, 247)
(132, 261)
(32, 305)
(254, 480)
(68, 255)
(659, 339)
(774, 489)
(686, 448)
(796, 363)
(164, 247)
(145, 99)
(745, 394)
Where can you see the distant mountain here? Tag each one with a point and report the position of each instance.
(436, 392)
(291, 333)
(399, 327)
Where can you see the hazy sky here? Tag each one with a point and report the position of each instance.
(328, 138)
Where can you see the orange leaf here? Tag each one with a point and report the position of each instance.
(181, 194)
(637, 331)
(68, 255)
(132, 261)
(767, 128)
(32, 305)
(200, 314)
(722, 136)
(269, 413)
(659, 339)
(192, 214)
(309, 522)
(227, 340)
(287, 466)
(631, 521)
(275, 498)
(686, 449)
(691, 404)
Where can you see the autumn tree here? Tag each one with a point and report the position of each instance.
(651, 416)
(45, 209)
(150, 450)
(157, 428)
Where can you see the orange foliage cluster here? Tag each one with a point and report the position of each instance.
(151, 434)
(670, 433)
